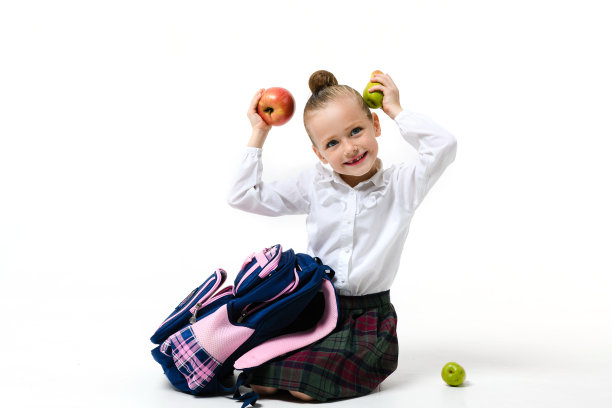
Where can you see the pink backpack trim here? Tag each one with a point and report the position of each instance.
(267, 259)
(290, 342)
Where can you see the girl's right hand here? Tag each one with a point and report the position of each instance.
(260, 127)
(256, 121)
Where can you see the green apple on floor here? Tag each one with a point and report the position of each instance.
(453, 374)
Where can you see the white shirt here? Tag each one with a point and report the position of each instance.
(360, 232)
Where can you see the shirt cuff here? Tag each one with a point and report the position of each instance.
(254, 150)
(403, 113)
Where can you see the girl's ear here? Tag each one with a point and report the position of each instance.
(319, 155)
(376, 123)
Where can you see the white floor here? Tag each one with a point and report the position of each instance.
(417, 383)
(82, 359)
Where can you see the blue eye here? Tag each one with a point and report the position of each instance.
(355, 131)
(331, 143)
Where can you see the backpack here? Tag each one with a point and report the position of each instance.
(279, 302)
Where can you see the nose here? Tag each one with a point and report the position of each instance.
(350, 150)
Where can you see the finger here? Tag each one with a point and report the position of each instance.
(379, 78)
(257, 97)
(380, 88)
(255, 101)
(390, 81)
(383, 79)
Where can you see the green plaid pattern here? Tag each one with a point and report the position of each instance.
(351, 361)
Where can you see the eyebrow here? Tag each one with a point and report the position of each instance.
(352, 126)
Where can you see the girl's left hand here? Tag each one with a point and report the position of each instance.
(391, 103)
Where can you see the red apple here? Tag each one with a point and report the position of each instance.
(276, 106)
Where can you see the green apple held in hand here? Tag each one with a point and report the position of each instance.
(453, 374)
(373, 99)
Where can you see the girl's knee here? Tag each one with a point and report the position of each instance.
(301, 395)
(263, 390)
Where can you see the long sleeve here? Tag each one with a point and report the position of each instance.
(249, 193)
(436, 149)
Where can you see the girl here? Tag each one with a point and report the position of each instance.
(358, 216)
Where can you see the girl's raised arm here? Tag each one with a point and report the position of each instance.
(249, 193)
(283, 197)
(436, 149)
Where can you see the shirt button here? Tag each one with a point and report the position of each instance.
(347, 250)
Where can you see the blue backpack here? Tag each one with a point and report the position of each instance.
(280, 302)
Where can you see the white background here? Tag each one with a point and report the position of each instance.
(121, 123)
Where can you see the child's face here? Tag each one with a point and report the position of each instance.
(345, 138)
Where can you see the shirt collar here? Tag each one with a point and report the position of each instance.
(328, 175)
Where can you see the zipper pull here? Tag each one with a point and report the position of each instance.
(241, 318)
(193, 317)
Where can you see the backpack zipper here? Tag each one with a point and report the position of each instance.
(205, 302)
(193, 317)
(241, 318)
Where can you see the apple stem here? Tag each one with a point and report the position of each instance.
(268, 110)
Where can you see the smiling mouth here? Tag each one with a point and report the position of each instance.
(356, 160)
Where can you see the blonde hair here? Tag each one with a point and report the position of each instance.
(325, 89)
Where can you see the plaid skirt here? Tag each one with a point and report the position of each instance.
(351, 361)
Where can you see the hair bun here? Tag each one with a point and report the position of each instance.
(320, 80)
